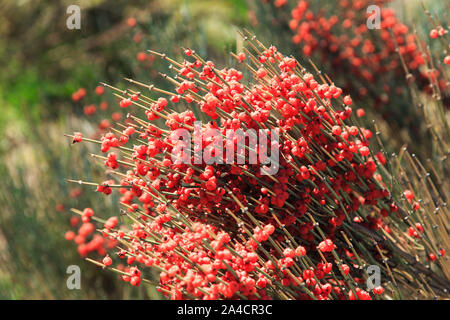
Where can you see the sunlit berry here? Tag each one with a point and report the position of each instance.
(107, 261)
(348, 100)
(125, 103)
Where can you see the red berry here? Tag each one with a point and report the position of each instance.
(77, 137)
(378, 290)
(131, 22)
(408, 194)
(336, 130)
(300, 251)
(447, 60)
(241, 56)
(345, 268)
(111, 223)
(141, 56)
(261, 73)
(348, 100)
(107, 261)
(360, 113)
(326, 246)
(289, 253)
(434, 34)
(125, 103)
(70, 235)
(364, 151)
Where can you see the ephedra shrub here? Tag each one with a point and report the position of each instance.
(314, 228)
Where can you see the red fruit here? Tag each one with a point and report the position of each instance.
(348, 100)
(336, 130)
(99, 90)
(107, 261)
(408, 194)
(289, 253)
(241, 56)
(79, 239)
(79, 94)
(360, 113)
(88, 212)
(89, 109)
(269, 229)
(345, 268)
(326, 246)
(381, 158)
(135, 281)
(77, 137)
(104, 105)
(363, 295)
(74, 221)
(378, 290)
(131, 22)
(141, 56)
(419, 227)
(261, 73)
(125, 103)
(300, 251)
(111, 223)
(116, 116)
(364, 151)
(353, 130)
(86, 229)
(211, 184)
(280, 3)
(162, 103)
(70, 235)
(434, 34)
(131, 259)
(261, 283)
(447, 60)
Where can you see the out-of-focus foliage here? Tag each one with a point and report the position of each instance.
(45, 61)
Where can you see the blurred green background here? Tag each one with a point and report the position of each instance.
(43, 63)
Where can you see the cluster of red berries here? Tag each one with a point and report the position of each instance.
(441, 32)
(370, 64)
(91, 108)
(226, 231)
(345, 37)
(85, 238)
(217, 231)
(79, 94)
